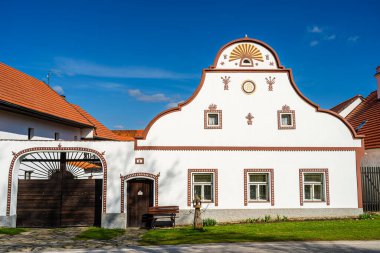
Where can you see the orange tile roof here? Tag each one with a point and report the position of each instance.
(368, 110)
(344, 104)
(20, 90)
(85, 165)
(101, 131)
(135, 134)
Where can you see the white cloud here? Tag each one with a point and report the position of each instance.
(314, 29)
(314, 43)
(158, 97)
(58, 89)
(330, 37)
(353, 38)
(173, 104)
(75, 67)
(119, 127)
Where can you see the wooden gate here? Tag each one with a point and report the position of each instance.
(371, 188)
(139, 199)
(58, 198)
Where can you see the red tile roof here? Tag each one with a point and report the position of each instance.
(135, 134)
(101, 131)
(368, 110)
(26, 92)
(344, 104)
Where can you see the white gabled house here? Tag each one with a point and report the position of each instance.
(248, 142)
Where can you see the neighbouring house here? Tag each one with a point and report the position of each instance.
(247, 142)
(364, 116)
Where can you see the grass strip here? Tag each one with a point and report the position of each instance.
(324, 230)
(12, 231)
(95, 233)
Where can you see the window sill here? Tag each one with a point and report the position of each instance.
(314, 201)
(258, 201)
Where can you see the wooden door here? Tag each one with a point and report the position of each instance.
(61, 201)
(139, 199)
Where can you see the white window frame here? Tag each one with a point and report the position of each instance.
(207, 119)
(312, 184)
(202, 184)
(267, 183)
(291, 119)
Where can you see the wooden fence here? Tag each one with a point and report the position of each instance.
(371, 188)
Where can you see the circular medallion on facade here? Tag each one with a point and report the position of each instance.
(248, 87)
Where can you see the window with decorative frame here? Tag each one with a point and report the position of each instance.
(258, 185)
(212, 118)
(314, 186)
(286, 118)
(203, 186)
(204, 183)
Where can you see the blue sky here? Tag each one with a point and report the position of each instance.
(126, 61)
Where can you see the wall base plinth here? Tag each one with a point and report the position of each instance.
(114, 220)
(186, 216)
(8, 221)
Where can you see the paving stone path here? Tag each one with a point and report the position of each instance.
(41, 239)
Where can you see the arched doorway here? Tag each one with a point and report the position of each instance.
(59, 189)
(139, 199)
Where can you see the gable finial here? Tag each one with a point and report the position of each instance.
(246, 36)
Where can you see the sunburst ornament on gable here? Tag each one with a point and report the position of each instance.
(246, 53)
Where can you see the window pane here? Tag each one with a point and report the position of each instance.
(317, 191)
(263, 192)
(309, 177)
(258, 178)
(206, 178)
(308, 192)
(198, 191)
(207, 192)
(213, 119)
(252, 192)
(286, 119)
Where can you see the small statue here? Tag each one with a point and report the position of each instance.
(198, 223)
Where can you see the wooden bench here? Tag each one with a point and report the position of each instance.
(161, 212)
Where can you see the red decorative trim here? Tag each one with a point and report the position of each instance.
(60, 149)
(359, 153)
(139, 160)
(327, 184)
(220, 119)
(246, 40)
(271, 175)
(242, 148)
(138, 175)
(189, 177)
(286, 110)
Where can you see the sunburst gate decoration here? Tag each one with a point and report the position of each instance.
(246, 53)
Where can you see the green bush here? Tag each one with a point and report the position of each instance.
(209, 222)
(366, 216)
(251, 220)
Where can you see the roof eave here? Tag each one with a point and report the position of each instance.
(4, 105)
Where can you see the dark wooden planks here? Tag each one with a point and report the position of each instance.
(371, 188)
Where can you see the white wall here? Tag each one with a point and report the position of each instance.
(15, 127)
(350, 108)
(186, 127)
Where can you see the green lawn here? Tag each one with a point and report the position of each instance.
(99, 234)
(12, 231)
(327, 230)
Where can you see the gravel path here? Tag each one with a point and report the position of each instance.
(41, 239)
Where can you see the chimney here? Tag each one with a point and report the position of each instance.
(377, 76)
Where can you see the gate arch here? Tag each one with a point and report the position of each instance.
(16, 157)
